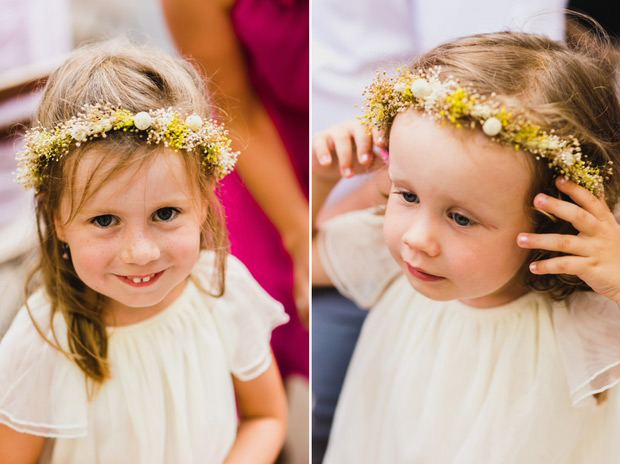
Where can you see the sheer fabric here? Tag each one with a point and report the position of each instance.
(170, 398)
(435, 381)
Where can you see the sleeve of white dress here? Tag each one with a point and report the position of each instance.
(588, 333)
(245, 316)
(355, 257)
(41, 391)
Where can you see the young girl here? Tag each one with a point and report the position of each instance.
(485, 342)
(146, 341)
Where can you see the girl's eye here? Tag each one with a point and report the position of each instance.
(165, 214)
(409, 197)
(105, 220)
(461, 220)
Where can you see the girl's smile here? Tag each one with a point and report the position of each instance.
(141, 281)
(137, 238)
(457, 204)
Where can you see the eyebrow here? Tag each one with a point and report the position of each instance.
(167, 202)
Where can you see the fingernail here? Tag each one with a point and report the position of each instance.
(540, 199)
(533, 267)
(385, 156)
(364, 158)
(522, 239)
(325, 159)
(380, 139)
(348, 172)
(562, 180)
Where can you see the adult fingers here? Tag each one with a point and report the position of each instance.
(363, 144)
(574, 265)
(344, 147)
(580, 218)
(584, 198)
(322, 149)
(570, 244)
(379, 138)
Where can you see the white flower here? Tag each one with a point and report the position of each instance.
(568, 159)
(164, 120)
(420, 88)
(142, 120)
(492, 126)
(79, 133)
(549, 144)
(480, 111)
(194, 122)
(400, 87)
(107, 125)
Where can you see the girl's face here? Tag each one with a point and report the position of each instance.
(136, 239)
(457, 203)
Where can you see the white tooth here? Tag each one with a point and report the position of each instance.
(136, 280)
(146, 279)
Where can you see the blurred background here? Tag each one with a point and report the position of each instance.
(258, 53)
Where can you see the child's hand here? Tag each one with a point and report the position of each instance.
(351, 146)
(594, 254)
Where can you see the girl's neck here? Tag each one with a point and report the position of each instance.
(509, 293)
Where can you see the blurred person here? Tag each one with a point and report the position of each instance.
(349, 45)
(256, 54)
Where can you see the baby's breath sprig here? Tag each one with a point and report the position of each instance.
(448, 102)
(162, 126)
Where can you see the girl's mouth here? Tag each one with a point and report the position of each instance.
(141, 281)
(423, 276)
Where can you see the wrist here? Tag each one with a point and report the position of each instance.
(295, 232)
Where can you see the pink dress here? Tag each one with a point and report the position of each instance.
(274, 36)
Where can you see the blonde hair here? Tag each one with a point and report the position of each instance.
(137, 79)
(570, 89)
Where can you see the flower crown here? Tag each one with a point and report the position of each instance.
(158, 126)
(447, 101)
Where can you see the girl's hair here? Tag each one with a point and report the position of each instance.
(569, 88)
(136, 79)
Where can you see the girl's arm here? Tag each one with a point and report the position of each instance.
(262, 407)
(19, 448)
(340, 151)
(594, 254)
(202, 30)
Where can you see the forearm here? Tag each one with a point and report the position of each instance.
(268, 174)
(321, 187)
(258, 441)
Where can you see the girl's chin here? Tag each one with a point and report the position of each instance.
(432, 291)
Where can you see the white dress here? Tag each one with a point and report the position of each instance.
(170, 398)
(441, 382)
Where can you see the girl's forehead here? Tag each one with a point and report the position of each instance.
(99, 176)
(459, 162)
(98, 167)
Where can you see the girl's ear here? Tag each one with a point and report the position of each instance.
(60, 228)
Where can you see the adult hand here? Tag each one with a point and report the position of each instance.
(351, 146)
(594, 254)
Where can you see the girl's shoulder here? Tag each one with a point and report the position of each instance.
(245, 315)
(41, 391)
(355, 256)
(587, 327)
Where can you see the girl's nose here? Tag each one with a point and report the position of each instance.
(421, 236)
(139, 249)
